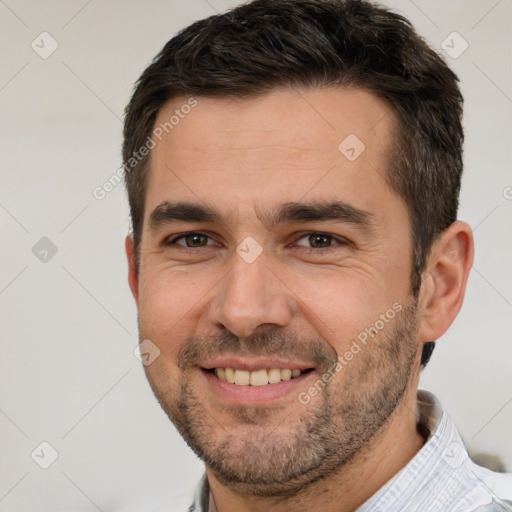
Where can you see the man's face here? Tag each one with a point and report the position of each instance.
(290, 252)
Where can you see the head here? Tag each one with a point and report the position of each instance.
(312, 150)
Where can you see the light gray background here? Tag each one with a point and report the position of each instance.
(68, 326)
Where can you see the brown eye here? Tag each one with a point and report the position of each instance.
(195, 240)
(318, 240)
(191, 240)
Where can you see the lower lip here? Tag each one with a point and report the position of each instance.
(256, 395)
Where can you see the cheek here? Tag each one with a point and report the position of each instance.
(167, 311)
(342, 304)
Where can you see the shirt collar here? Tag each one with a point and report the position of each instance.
(202, 497)
(443, 450)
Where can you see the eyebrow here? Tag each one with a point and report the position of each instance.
(169, 212)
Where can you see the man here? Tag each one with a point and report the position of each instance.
(293, 170)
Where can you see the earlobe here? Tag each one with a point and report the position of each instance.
(133, 277)
(444, 281)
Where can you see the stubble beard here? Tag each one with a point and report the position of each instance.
(268, 460)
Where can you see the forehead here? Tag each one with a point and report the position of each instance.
(291, 142)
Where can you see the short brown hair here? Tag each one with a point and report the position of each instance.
(266, 44)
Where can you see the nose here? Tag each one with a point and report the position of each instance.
(250, 297)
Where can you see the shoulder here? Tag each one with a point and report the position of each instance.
(483, 490)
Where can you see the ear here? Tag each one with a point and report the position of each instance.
(444, 280)
(133, 277)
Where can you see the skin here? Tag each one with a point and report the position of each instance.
(243, 158)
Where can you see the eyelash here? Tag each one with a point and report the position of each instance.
(341, 241)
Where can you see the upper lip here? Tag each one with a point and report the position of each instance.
(253, 363)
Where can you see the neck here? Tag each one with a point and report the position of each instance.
(388, 452)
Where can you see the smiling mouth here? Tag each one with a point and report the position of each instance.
(260, 377)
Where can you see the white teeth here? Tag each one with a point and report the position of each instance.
(230, 375)
(242, 377)
(286, 374)
(257, 377)
(274, 375)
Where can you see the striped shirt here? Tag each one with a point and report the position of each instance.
(439, 478)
